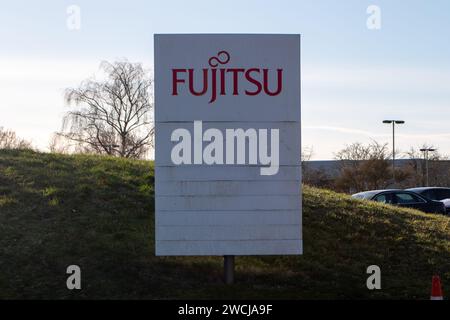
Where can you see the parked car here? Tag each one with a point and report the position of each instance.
(435, 193)
(403, 198)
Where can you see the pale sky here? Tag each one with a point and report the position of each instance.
(352, 77)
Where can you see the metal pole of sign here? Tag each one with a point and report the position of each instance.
(393, 151)
(228, 268)
(428, 180)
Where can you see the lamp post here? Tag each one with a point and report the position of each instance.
(425, 156)
(394, 122)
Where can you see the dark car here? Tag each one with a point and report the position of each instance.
(435, 193)
(403, 198)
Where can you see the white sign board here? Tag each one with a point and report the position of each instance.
(227, 159)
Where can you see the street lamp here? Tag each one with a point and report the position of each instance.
(394, 122)
(425, 155)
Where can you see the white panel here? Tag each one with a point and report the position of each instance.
(214, 233)
(289, 149)
(225, 218)
(254, 247)
(227, 209)
(246, 51)
(226, 188)
(224, 173)
(195, 203)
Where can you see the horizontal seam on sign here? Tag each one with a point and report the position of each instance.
(262, 179)
(224, 165)
(206, 195)
(228, 121)
(234, 240)
(225, 34)
(184, 240)
(268, 179)
(296, 224)
(221, 180)
(226, 210)
(227, 195)
(294, 214)
(227, 166)
(238, 181)
(231, 211)
(228, 225)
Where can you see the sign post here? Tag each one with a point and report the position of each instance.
(228, 267)
(227, 159)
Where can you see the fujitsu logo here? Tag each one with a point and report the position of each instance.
(220, 81)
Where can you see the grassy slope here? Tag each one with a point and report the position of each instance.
(97, 212)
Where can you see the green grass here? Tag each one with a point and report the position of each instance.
(97, 212)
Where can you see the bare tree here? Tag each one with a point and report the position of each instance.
(112, 116)
(9, 140)
(58, 144)
(363, 167)
(317, 177)
(439, 167)
(358, 151)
